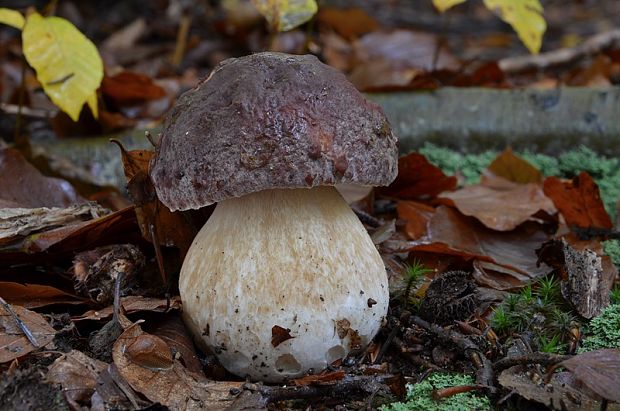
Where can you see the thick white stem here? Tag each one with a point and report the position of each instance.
(298, 259)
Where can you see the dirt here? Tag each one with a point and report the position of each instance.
(26, 390)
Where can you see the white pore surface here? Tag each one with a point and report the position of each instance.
(295, 258)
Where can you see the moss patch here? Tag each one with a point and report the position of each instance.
(419, 396)
(603, 331)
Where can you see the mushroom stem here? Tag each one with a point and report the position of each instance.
(298, 259)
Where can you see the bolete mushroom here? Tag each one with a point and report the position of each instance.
(283, 278)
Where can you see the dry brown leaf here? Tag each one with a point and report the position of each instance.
(130, 88)
(36, 295)
(599, 370)
(279, 335)
(417, 216)
(514, 168)
(418, 178)
(132, 304)
(172, 330)
(176, 387)
(498, 277)
(348, 23)
(500, 204)
(13, 341)
(449, 232)
(326, 378)
(579, 201)
(77, 374)
(22, 185)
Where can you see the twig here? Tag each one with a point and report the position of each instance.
(541, 358)
(366, 218)
(22, 326)
(484, 376)
(387, 343)
(542, 61)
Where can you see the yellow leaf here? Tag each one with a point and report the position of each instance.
(283, 15)
(68, 65)
(443, 5)
(11, 18)
(525, 17)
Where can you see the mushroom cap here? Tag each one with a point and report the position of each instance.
(270, 120)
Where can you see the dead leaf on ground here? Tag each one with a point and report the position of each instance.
(172, 330)
(132, 304)
(418, 178)
(130, 88)
(13, 341)
(326, 378)
(36, 295)
(16, 223)
(449, 232)
(176, 387)
(579, 201)
(348, 23)
(599, 370)
(22, 185)
(77, 374)
(514, 168)
(416, 215)
(500, 204)
(498, 277)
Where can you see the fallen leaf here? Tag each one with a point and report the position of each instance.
(348, 23)
(132, 304)
(12, 18)
(36, 295)
(130, 88)
(498, 277)
(150, 351)
(451, 233)
(417, 216)
(443, 5)
(172, 330)
(284, 15)
(13, 341)
(418, 178)
(320, 379)
(77, 374)
(514, 168)
(24, 186)
(599, 370)
(176, 387)
(67, 63)
(500, 204)
(579, 201)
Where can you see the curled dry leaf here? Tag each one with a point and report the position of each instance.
(132, 304)
(599, 370)
(579, 201)
(36, 295)
(418, 178)
(500, 204)
(22, 185)
(174, 387)
(13, 341)
(77, 374)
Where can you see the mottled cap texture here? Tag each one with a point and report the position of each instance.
(270, 120)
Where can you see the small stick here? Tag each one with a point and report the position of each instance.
(22, 326)
(541, 358)
(158, 256)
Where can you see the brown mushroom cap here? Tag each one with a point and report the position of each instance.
(270, 120)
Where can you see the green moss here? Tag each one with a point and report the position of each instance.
(612, 249)
(604, 330)
(419, 396)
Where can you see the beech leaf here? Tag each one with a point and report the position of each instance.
(284, 15)
(443, 5)
(525, 17)
(68, 64)
(11, 18)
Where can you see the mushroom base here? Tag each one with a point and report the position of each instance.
(281, 282)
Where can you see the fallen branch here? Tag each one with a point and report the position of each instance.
(591, 46)
(542, 358)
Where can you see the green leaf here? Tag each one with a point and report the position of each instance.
(284, 15)
(68, 65)
(443, 5)
(525, 17)
(11, 18)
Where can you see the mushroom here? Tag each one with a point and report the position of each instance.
(283, 278)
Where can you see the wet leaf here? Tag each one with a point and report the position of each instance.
(579, 201)
(36, 295)
(176, 387)
(22, 185)
(418, 178)
(598, 370)
(514, 168)
(525, 17)
(77, 374)
(68, 65)
(451, 233)
(13, 342)
(500, 204)
(284, 15)
(12, 18)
